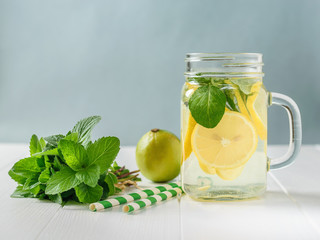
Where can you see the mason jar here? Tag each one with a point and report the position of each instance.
(224, 127)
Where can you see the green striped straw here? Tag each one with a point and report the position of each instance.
(152, 200)
(131, 197)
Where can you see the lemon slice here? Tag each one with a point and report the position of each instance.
(192, 86)
(229, 145)
(207, 169)
(187, 149)
(257, 104)
(230, 174)
(240, 103)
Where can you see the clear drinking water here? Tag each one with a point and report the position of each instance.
(252, 175)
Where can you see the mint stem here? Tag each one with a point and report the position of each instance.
(127, 174)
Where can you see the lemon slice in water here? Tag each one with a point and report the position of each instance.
(187, 149)
(257, 104)
(229, 145)
(230, 174)
(206, 168)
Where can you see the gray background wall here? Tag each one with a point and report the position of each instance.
(124, 60)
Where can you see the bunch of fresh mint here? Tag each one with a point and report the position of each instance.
(68, 167)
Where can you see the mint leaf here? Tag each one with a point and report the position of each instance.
(20, 193)
(84, 128)
(42, 143)
(74, 154)
(18, 177)
(49, 152)
(88, 144)
(103, 151)
(200, 80)
(207, 105)
(68, 193)
(104, 185)
(35, 145)
(72, 137)
(62, 181)
(111, 179)
(44, 176)
(52, 141)
(35, 190)
(27, 166)
(245, 84)
(31, 182)
(114, 177)
(56, 198)
(57, 165)
(89, 175)
(87, 194)
(47, 162)
(32, 185)
(24, 169)
(231, 100)
(41, 162)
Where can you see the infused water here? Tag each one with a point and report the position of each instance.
(228, 161)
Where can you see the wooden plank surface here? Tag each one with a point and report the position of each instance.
(160, 221)
(20, 218)
(272, 216)
(301, 183)
(289, 209)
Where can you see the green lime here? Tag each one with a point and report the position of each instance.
(158, 155)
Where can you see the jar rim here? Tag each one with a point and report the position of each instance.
(252, 57)
(224, 64)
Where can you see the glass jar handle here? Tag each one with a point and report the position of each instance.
(295, 129)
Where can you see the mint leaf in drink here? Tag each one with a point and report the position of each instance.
(200, 80)
(207, 105)
(89, 175)
(245, 84)
(103, 151)
(231, 100)
(35, 145)
(74, 154)
(84, 128)
(62, 181)
(87, 194)
(24, 169)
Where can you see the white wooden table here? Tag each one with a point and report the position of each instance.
(289, 210)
